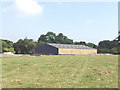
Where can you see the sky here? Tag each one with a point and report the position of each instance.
(80, 21)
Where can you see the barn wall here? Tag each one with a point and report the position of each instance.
(76, 51)
(46, 50)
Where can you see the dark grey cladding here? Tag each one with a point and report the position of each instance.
(46, 49)
(69, 46)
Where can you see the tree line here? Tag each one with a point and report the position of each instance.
(27, 46)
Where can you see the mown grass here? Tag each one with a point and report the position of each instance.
(62, 71)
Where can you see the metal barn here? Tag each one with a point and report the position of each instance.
(59, 49)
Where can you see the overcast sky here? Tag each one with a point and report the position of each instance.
(80, 21)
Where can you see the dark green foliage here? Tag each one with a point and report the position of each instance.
(25, 46)
(114, 50)
(91, 45)
(103, 51)
(39, 43)
(107, 46)
(76, 43)
(51, 37)
(8, 50)
(42, 38)
(48, 38)
(62, 39)
(7, 46)
(80, 43)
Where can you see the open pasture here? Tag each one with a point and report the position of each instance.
(60, 71)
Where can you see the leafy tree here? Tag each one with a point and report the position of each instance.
(103, 50)
(25, 46)
(92, 45)
(51, 37)
(107, 46)
(8, 50)
(7, 46)
(76, 43)
(80, 43)
(48, 38)
(42, 38)
(68, 41)
(62, 39)
(114, 50)
(4, 44)
(39, 43)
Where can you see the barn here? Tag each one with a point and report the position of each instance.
(63, 49)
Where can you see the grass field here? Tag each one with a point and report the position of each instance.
(65, 71)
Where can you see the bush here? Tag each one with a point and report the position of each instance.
(8, 50)
(103, 51)
(11, 50)
(115, 50)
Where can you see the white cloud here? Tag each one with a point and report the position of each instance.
(26, 7)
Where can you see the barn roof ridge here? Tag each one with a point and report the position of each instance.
(72, 46)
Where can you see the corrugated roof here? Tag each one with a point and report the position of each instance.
(69, 46)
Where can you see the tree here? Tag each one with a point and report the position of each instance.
(39, 43)
(62, 39)
(107, 46)
(51, 37)
(103, 50)
(48, 38)
(80, 43)
(42, 38)
(92, 45)
(68, 41)
(25, 46)
(114, 50)
(7, 46)
(76, 43)
(8, 50)
(4, 44)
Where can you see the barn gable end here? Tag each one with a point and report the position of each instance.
(46, 49)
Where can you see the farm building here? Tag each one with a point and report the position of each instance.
(58, 49)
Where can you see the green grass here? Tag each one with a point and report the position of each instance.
(65, 71)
